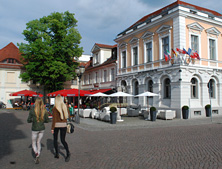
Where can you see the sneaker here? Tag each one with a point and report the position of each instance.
(67, 158)
(37, 160)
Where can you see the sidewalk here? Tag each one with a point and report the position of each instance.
(131, 144)
(138, 122)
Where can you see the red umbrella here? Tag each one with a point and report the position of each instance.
(26, 93)
(56, 93)
(75, 92)
(70, 92)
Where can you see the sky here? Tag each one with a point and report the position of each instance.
(99, 21)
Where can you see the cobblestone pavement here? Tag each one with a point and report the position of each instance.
(131, 144)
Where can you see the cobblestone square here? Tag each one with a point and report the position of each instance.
(131, 144)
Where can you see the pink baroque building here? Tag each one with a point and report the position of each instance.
(146, 61)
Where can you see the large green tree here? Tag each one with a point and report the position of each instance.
(52, 44)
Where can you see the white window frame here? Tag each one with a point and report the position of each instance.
(122, 58)
(214, 91)
(199, 41)
(105, 77)
(134, 43)
(160, 43)
(164, 89)
(197, 88)
(216, 48)
(89, 78)
(112, 74)
(132, 56)
(145, 51)
(96, 77)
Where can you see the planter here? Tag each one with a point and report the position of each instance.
(208, 112)
(153, 115)
(185, 114)
(113, 117)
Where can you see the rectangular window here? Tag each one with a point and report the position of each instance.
(89, 79)
(135, 55)
(165, 45)
(84, 79)
(197, 113)
(149, 51)
(112, 74)
(212, 49)
(124, 59)
(105, 76)
(194, 43)
(96, 79)
(11, 78)
(74, 81)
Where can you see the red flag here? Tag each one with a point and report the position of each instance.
(166, 57)
(174, 52)
(181, 51)
(197, 55)
(192, 54)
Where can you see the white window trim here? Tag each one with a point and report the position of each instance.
(123, 50)
(197, 88)
(216, 48)
(145, 53)
(199, 41)
(132, 59)
(106, 75)
(160, 43)
(134, 43)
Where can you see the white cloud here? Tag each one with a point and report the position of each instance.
(99, 21)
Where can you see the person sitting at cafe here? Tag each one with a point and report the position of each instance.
(16, 104)
(28, 104)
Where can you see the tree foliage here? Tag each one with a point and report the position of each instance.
(52, 44)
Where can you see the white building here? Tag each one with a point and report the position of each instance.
(182, 80)
(10, 70)
(100, 74)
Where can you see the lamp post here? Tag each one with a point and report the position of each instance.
(79, 71)
(38, 84)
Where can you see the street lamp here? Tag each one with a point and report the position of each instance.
(79, 71)
(38, 84)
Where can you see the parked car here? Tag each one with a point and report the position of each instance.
(2, 105)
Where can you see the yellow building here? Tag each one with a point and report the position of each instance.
(183, 79)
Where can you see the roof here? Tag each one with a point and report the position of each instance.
(105, 46)
(89, 66)
(163, 10)
(10, 51)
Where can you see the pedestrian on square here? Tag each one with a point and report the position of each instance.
(37, 116)
(60, 114)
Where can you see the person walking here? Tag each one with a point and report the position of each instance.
(60, 114)
(37, 116)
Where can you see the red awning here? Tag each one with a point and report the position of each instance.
(26, 93)
(99, 90)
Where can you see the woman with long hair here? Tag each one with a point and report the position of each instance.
(37, 116)
(60, 115)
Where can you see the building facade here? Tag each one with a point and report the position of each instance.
(181, 80)
(10, 70)
(100, 73)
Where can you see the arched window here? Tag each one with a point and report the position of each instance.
(194, 88)
(136, 88)
(123, 86)
(150, 86)
(212, 88)
(167, 89)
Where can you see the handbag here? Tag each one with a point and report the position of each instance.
(70, 128)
